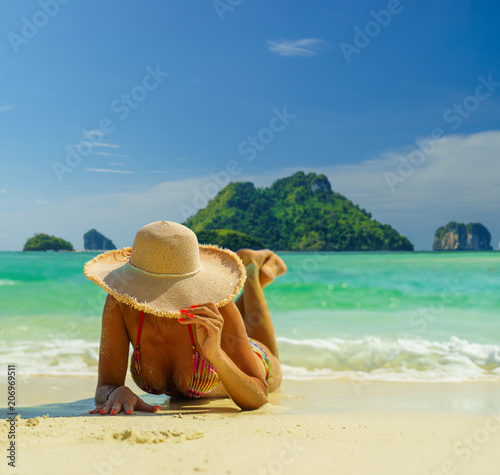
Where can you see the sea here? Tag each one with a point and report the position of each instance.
(419, 316)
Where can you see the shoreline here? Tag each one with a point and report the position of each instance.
(65, 396)
(308, 427)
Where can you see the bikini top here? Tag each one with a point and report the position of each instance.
(204, 378)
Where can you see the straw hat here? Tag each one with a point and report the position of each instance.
(166, 270)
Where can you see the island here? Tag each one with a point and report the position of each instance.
(228, 239)
(44, 242)
(461, 237)
(296, 213)
(95, 241)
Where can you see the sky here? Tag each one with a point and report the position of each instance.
(117, 114)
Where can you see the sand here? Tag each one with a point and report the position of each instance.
(330, 427)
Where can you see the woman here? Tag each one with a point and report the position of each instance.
(165, 283)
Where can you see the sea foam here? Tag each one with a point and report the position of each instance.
(369, 358)
(7, 282)
(389, 359)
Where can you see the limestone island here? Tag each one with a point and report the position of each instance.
(95, 241)
(460, 237)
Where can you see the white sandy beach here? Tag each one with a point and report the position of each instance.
(326, 427)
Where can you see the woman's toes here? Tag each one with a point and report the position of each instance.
(272, 268)
(256, 257)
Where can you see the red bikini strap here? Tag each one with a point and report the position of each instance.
(191, 336)
(139, 330)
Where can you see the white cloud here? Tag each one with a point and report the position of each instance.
(6, 108)
(105, 170)
(458, 167)
(96, 132)
(107, 154)
(101, 144)
(302, 47)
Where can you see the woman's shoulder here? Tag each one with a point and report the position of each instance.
(114, 306)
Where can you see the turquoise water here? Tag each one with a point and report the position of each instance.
(398, 316)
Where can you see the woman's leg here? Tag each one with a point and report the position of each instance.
(262, 268)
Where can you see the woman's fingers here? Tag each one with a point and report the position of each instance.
(207, 310)
(209, 324)
(212, 326)
(116, 408)
(205, 306)
(128, 409)
(144, 406)
(206, 315)
(202, 311)
(126, 401)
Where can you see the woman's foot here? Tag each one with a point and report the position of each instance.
(273, 267)
(256, 257)
(269, 264)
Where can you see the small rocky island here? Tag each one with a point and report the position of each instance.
(95, 241)
(461, 237)
(44, 242)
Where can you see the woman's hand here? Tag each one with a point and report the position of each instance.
(123, 399)
(208, 323)
(230, 353)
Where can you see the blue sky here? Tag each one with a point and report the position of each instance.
(116, 114)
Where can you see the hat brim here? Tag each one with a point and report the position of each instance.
(220, 280)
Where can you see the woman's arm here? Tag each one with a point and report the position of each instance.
(113, 350)
(229, 352)
(113, 362)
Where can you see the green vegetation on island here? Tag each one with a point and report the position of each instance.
(297, 213)
(44, 242)
(229, 239)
